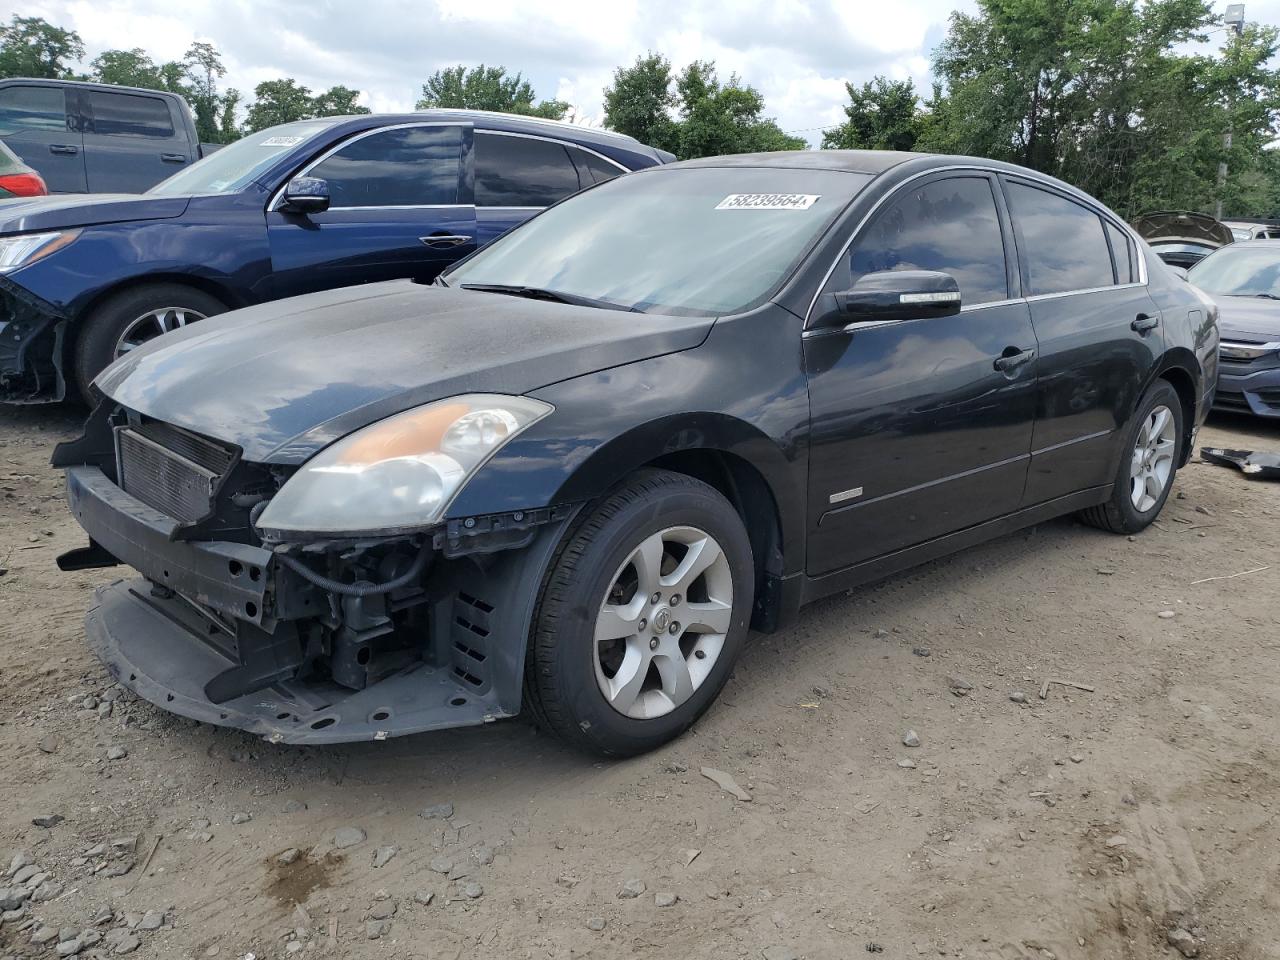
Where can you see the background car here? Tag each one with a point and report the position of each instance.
(1180, 238)
(1244, 280)
(1254, 229)
(98, 137)
(16, 178)
(570, 474)
(301, 207)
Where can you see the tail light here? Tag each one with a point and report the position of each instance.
(24, 184)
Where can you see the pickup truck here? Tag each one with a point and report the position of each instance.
(97, 137)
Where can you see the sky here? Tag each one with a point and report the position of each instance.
(798, 53)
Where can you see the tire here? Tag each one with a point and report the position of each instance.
(596, 579)
(106, 324)
(1121, 513)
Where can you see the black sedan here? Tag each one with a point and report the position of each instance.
(573, 472)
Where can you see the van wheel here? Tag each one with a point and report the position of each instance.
(642, 617)
(1147, 467)
(131, 318)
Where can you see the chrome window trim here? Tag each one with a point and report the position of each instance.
(975, 168)
(278, 196)
(411, 206)
(1076, 293)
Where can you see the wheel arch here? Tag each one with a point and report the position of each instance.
(81, 311)
(1182, 371)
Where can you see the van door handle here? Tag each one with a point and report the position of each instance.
(63, 148)
(1145, 322)
(1008, 362)
(445, 239)
(173, 158)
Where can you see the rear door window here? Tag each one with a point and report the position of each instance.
(32, 108)
(522, 171)
(130, 115)
(1062, 241)
(947, 225)
(399, 167)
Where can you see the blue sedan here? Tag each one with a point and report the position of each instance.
(297, 208)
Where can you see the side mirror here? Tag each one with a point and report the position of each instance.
(306, 195)
(898, 295)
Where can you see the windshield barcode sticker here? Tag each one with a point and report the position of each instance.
(768, 201)
(280, 141)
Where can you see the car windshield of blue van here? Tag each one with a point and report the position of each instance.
(697, 241)
(235, 166)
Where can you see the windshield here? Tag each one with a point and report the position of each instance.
(1240, 271)
(702, 241)
(235, 166)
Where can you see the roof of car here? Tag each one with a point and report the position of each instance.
(514, 123)
(851, 161)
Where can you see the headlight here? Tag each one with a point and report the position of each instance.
(399, 473)
(26, 248)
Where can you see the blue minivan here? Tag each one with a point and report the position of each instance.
(293, 209)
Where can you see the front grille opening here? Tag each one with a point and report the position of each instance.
(170, 469)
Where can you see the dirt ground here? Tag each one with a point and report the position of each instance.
(1087, 824)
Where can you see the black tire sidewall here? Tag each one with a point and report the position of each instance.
(1162, 394)
(101, 328)
(570, 662)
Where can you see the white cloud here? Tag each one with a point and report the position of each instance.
(798, 53)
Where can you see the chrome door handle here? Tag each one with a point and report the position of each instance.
(173, 158)
(1145, 322)
(445, 239)
(63, 148)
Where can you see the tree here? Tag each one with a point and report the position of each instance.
(337, 102)
(33, 47)
(129, 68)
(278, 101)
(486, 88)
(202, 65)
(1105, 94)
(711, 118)
(881, 115)
(640, 102)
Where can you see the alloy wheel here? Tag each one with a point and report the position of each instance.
(1152, 464)
(152, 324)
(662, 623)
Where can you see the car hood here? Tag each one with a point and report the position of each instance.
(284, 379)
(1248, 318)
(1186, 227)
(27, 214)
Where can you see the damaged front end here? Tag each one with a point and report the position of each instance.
(31, 335)
(320, 641)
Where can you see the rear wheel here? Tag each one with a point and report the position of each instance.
(1148, 466)
(642, 617)
(131, 318)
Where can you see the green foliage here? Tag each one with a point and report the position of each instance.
(1103, 94)
(712, 118)
(337, 101)
(882, 115)
(133, 68)
(278, 101)
(640, 102)
(33, 47)
(486, 88)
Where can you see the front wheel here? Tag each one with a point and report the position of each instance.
(131, 318)
(1147, 466)
(643, 616)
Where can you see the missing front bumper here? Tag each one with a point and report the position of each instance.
(31, 342)
(157, 647)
